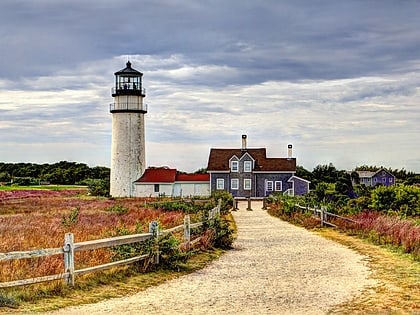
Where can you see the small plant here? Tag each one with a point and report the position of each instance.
(8, 302)
(98, 187)
(72, 218)
(219, 231)
(170, 254)
(117, 208)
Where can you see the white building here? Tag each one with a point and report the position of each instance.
(128, 154)
(163, 181)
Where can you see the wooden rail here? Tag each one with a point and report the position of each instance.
(70, 247)
(324, 215)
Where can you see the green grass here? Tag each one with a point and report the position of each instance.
(42, 187)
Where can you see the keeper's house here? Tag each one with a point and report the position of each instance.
(248, 172)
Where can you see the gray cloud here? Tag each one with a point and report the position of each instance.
(338, 79)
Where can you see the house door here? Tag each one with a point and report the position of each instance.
(177, 190)
(268, 187)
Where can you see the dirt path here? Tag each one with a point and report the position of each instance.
(275, 268)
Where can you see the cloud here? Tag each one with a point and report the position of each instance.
(339, 80)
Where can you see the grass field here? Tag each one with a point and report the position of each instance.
(39, 219)
(43, 187)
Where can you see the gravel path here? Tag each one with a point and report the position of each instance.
(275, 268)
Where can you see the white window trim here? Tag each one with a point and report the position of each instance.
(275, 185)
(246, 187)
(237, 166)
(268, 184)
(236, 185)
(250, 166)
(220, 183)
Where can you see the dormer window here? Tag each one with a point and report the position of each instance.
(234, 166)
(248, 166)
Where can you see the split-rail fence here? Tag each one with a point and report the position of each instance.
(324, 215)
(70, 247)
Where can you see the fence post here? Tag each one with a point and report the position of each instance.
(219, 206)
(187, 231)
(264, 203)
(322, 216)
(154, 229)
(69, 258)
(235, 204)
(249, 204)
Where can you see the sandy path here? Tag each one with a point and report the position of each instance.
(275, 268)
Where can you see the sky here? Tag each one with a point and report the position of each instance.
(340, 80)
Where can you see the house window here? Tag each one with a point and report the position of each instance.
(277, 186)
(234, 166)
(234, 184)
(220, 184)
(247, 184)
(248, 166)
(157, 188)
(384, 180)
(269, 186)
(390, 179)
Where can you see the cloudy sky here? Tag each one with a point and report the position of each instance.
(340, 80)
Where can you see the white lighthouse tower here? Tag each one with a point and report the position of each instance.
(128, 156)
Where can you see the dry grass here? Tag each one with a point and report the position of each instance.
(39, 219)
(398, 276)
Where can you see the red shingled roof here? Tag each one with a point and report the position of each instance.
(192, 177)
(158, 175)
(169, 175)
(219, 160)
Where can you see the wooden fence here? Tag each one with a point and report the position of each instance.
(324, 215)
(70, 247)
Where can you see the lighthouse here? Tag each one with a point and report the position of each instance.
(128, 156)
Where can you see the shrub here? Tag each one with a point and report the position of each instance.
(400, 199)
(98, 187)
(8, 302)
(218, 231)
(227, 201)
(71, 218)
(117, 208)
(170, 254)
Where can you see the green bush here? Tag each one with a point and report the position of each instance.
(219, 230)
(98, 187)
(227, 201)
(117, 208)
(170, 255)
(173, 206)
(71, 218)
(403, 200)
(6, 301)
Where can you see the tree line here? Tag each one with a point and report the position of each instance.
(60, 173)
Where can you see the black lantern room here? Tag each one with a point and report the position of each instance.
(128, 82)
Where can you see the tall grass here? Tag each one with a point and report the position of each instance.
(40, 219)
(377, 227)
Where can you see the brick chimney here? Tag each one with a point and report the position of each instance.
(243, 142)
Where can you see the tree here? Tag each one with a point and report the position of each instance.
(5, 177)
